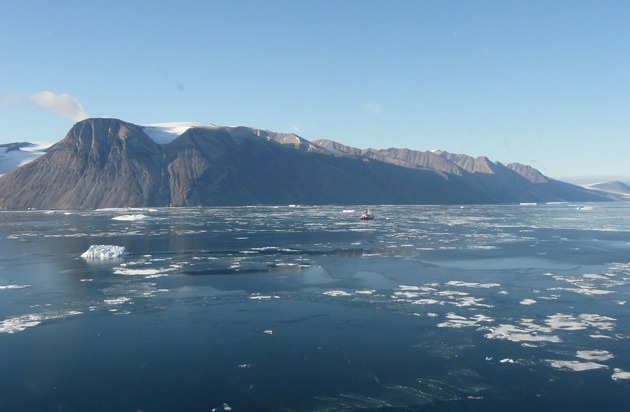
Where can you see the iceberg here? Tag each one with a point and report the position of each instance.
(103, 252)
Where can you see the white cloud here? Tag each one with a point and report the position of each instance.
(372, 107)
(63, 104)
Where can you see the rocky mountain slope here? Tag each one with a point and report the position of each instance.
(112, 163)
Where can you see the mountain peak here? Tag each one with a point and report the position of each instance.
(111, 163)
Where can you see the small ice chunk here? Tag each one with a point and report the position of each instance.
(103, 252)
(527, 302)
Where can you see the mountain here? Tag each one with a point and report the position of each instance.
(13, 155)
(514, 183)
(111, 163)
(615, 187)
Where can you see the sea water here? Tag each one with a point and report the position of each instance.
(424, 308)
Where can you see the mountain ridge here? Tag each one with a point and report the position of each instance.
(112, 163)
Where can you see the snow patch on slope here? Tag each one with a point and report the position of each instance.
(164, 133)
(11, 159)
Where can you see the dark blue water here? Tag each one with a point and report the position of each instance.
(426, 308)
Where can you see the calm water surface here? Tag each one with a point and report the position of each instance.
(425, 308)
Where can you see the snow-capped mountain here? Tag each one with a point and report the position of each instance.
(615, 187)
(13, 155)
(112, 163)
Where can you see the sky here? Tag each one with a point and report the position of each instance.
(543, 83)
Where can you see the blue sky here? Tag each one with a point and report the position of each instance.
(545, 83)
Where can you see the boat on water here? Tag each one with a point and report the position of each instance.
(367, 215)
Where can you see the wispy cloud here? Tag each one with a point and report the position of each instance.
(12, 98)
(373, 108)
(63, 104)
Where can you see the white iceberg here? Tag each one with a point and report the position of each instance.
(103, 252)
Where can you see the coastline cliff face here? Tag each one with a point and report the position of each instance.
(111, 163)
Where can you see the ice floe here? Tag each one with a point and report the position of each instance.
(225, 407)
(147, 273)
(103, 252)
(598, 355)
(336, 293)
(592, 284)
(527, 332)
(134, 217)
(5, 287)
(426, 302)
(417, 295)
(580, 322)
(575, 366)
(527, 302)
(620, 374)
(116, 301)
(20, 323)
(473, 284)
(457, 321)
(600, 336)
(258, 296)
